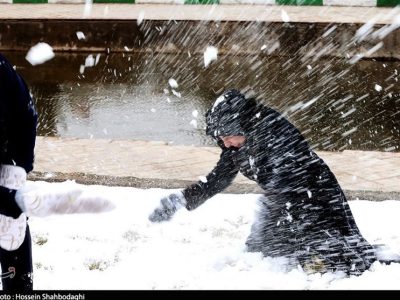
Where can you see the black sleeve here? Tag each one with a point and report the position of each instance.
(18, 118)
(217, 180)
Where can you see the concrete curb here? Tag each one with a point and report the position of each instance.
(147, 183)
(151, 164)
(372, 3)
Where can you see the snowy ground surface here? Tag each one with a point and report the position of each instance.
(202, 249)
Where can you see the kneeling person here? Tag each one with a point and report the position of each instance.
(304, 214)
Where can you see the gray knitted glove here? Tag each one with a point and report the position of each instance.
(168, 207)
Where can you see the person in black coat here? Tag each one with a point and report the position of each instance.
(304, 214)
(18, 121)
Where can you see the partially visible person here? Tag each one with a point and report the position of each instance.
(303, 214)
(20, 199)
(18, 121)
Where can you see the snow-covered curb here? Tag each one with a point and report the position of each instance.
(387, 3)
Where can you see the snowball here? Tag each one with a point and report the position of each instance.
(210, 55)
(39, 54)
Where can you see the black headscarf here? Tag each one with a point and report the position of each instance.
(230, 114)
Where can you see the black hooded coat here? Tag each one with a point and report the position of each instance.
(304, 214)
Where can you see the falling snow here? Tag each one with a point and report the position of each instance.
(80, 35)
(335, 89)
(285, 16)
(210, 55)
(172, 83)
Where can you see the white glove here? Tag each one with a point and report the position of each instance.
(13, 225)
(12, 231)
(168, 207)
(12, 177)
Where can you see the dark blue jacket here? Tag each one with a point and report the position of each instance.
(18, 119)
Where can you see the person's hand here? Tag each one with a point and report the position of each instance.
(167, 207)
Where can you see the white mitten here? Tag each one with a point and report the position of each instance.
(12, 177)
(12, 222)
(12, 231)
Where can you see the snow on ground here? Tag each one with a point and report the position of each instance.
(202, 249)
